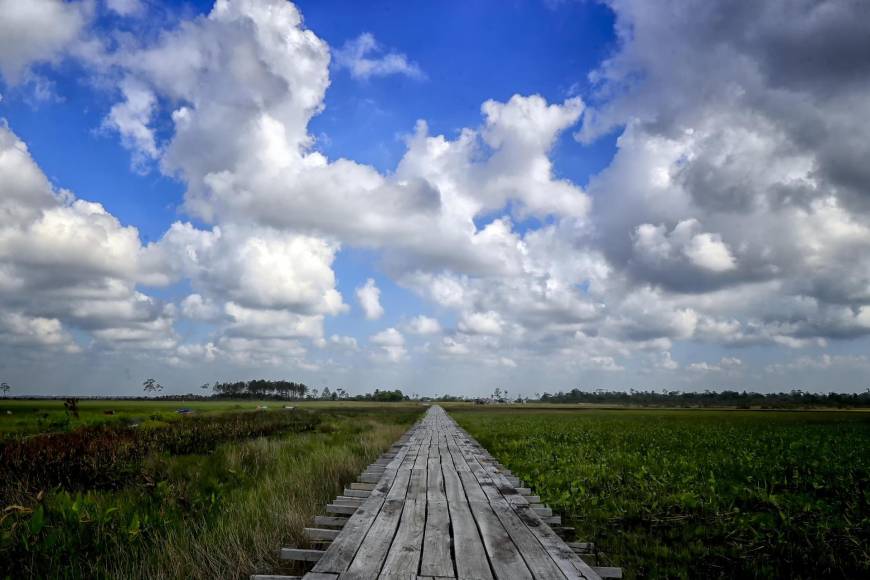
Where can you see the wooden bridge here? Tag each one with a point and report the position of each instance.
(439, 506)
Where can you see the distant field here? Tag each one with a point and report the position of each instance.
(148, 493)
(697, 493)
(29, 416)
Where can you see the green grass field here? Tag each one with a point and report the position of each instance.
(147, 493)
(29, 416)
(698, 493)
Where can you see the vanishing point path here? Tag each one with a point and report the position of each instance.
(439, 506)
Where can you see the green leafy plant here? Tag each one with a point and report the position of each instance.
(698, 494)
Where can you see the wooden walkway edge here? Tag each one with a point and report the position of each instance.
(439, 506)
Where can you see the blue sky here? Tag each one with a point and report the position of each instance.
(456, 44)
(589, 198)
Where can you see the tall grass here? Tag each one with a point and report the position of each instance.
(109, 456)
(222, 512)
(295, 478)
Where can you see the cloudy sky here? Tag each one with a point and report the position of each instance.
(443, 197)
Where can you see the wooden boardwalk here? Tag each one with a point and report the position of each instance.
(441, 507)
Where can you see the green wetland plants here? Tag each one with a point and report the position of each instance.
(698, 494)
(208, 496)
(109, 456)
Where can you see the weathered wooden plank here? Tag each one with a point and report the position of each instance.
(404, 555)
(299, 554)
(400, 486)
(473, 491)
(581, 546)
(471, 560)
(337, 508)
(542, 511)
(436, 558)
(422, 457)
(362, 486)
(537, 558)
(504, 555)
(349, 500)
(417, 484)
(320, 533)
(370, 557)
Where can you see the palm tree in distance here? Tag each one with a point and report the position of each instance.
(151, 386)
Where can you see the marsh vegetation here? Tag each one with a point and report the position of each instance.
(696, 493)
(148, 493)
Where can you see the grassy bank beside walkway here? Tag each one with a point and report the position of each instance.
(219, 513)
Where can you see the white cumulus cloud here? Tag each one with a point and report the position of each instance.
(369, 297)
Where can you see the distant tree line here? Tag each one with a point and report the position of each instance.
(280, 389)
(339, 394)
(383, 396)
(709, 398)
(261, 388)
